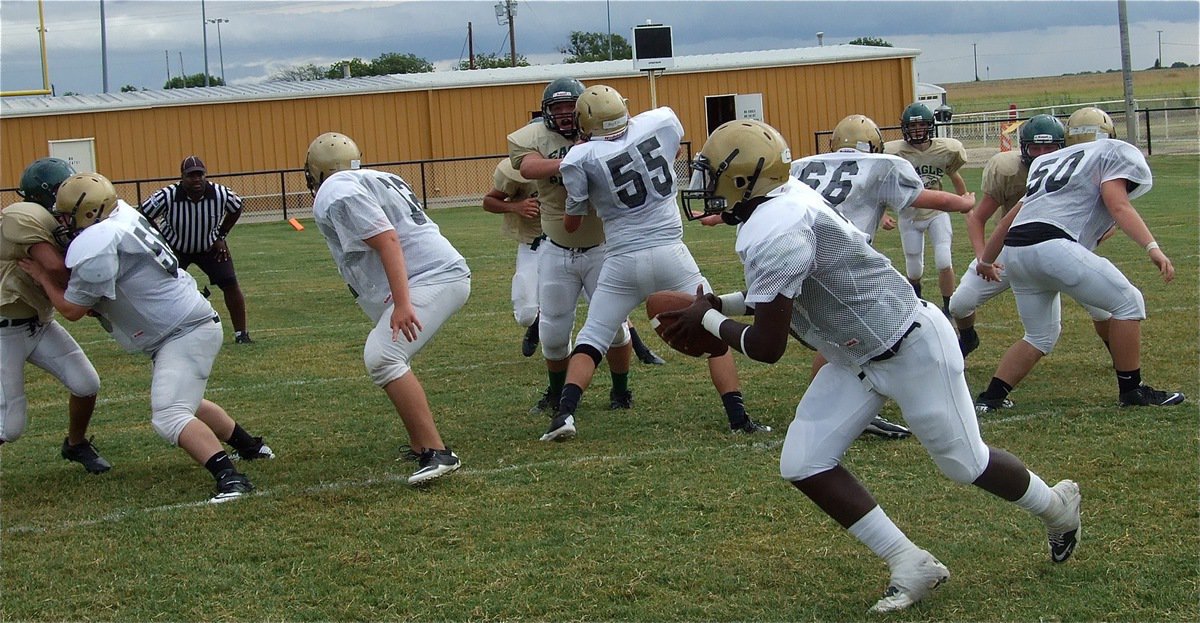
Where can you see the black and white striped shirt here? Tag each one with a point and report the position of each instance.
(191, 226)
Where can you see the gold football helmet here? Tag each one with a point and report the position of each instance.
(83, 200)
(327, 154)
(741, 160)
(601, 112)
(1089, 124)
(857, 132)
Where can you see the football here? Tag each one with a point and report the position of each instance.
(707, 345)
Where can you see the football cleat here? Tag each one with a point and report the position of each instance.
(86, 454)
(968, 344)
(748, 427)
(880, 427)
(623, 400)
(548, 403)
(254, 453)
(1063, 529)
(408, 454)
(434, 464)
(561, 428)
(230, 486)
(529, 343)
(1146, 396)
(242, 337)
(911, 582)
(991, 405)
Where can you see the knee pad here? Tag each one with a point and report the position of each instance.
(1132, 307)
(384, 365)
(590, 351)
(962, 303)
(941, 256)
(13, 419)
(556, 336)
(958, 470)
(914, 265)
(85, 384)
(525, 316)
(622, 337)
(1045, 342)
(169, 423)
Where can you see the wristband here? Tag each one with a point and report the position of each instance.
(1150, 246)
(979, 263)
(733, 304)
(712, 321)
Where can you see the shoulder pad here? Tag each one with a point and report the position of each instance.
(27, 223)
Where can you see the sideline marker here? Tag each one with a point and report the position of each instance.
(295, 224)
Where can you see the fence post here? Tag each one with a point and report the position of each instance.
(1149, 145)
(137, 186)
(283, 193)
(424, 195)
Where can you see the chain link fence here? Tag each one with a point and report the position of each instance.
(1172, 126)
(283, 194)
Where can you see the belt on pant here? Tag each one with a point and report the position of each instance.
(574, 249)
(895, 348)
(17, 322)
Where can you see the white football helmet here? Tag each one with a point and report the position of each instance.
(83, 200)
(857, 132)
(601, 112)
(1089, 124)
(327, 154)
(741, 160)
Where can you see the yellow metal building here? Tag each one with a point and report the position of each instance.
(264, 127)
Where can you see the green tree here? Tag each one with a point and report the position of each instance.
(129, 88)
(299, 73)
(193, 80)
(875, 41)
(593, 46)
(493, 61)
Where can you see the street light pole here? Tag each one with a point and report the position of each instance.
(1159, 49)
(220, 48)
(975, 53)
(204, 23)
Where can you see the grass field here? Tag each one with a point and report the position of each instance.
(1075, 89)
(649, 515)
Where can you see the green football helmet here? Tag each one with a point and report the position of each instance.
(558, 91)
(41, 179)
(917, 124)
(1041, 130)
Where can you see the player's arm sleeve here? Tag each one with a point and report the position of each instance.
(779, 267)
(901, 187)
(1127, 162)
(357, 217)
(959, 157)
(22, 227)
(153, 207)
(517, 150)
(576, 182)
(92, 278)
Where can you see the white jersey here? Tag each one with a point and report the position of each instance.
(849, 303)
(1063, 188)
(630, 181)
(859, 185)
(352, 206)
(124, 270)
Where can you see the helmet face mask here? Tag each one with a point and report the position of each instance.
(742, 160)
(857, 132)
(41, 179)
(555, 113)
(917, 124)
(601, 112)
(1041, 130)
(1089, 124)
(327, 154)
(83, 200)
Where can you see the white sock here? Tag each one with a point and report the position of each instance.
(877, 531)
(1037, 498)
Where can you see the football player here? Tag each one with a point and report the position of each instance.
(516, 198)
(810, 273)
(570, 264)
(933, 158)
(623, 170)
(28, 331)
(403, 273)
(123, 271)
(1072, 198)
(862, 183)
(1003, 186)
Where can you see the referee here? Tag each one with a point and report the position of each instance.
(195, 216)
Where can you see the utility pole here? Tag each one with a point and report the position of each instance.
(204, 23)
(1159, 49)
(975, 53)
(470, 48)
(506, 10)
(1131, 126)
(608, 12)
(104, 48)
(220, 48)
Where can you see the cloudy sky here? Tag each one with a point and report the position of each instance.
(1010, 39)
